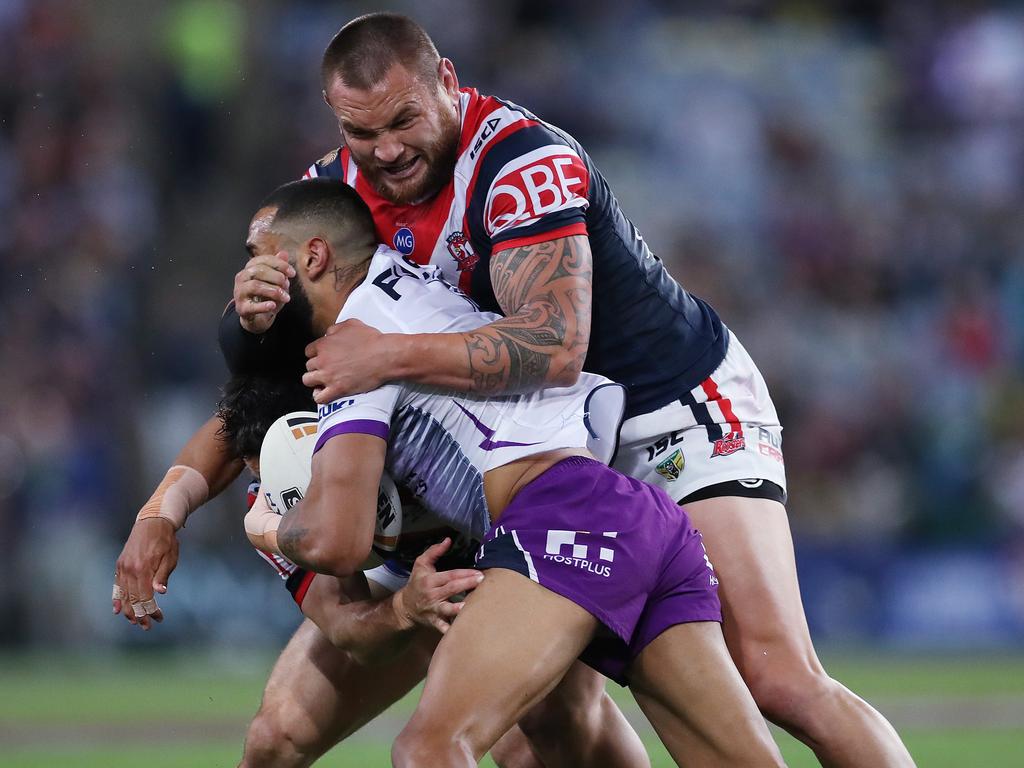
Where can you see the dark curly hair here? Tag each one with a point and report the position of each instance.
(250, 404)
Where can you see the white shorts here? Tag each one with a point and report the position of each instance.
(723, 430)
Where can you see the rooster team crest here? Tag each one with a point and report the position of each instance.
(461, 251)
(672, 466)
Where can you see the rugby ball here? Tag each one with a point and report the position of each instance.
(285, 469)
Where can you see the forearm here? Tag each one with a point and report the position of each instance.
(521, 353)
(545, 291)
(371, 630)
(210, 455)
(201, 470)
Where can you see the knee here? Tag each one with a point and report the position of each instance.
(795, 695)
(554, 717)
(274, 741)
(420, 746)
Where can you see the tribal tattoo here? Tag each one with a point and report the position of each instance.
(545, 291)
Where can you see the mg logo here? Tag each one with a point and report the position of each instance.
(404, 241)
(559, 539)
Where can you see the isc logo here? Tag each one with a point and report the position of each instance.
(546, 184)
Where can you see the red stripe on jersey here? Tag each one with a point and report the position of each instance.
(579, 228)
(303, 588)
(269, 557)
(711, 390)
(343, 159)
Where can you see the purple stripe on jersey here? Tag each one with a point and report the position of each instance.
(487, 444)
(354, 427)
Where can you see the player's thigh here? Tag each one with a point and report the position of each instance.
(688, 671)
(317, 694)
(510, 645)
(750, 546)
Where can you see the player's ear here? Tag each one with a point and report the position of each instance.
(447, 78)
(316, 257)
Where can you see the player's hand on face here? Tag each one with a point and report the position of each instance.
(426, 598)
(261, 290)
(349, 359)
(145, 564)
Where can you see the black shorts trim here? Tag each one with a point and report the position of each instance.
(765, 489)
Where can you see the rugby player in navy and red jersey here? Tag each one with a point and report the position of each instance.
(514, 211)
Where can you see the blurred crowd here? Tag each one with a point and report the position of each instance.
(843, 181)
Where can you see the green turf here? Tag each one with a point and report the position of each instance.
(69, 711)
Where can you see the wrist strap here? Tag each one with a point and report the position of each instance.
(261, 524)
(182, 491)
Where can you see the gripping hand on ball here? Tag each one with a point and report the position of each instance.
(426, 599)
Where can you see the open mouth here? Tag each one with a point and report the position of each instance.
(404, 170)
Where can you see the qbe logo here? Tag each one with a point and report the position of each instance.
(404, 241)
(562, 547)
(539, 184)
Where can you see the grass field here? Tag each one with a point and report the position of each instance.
(160, 712)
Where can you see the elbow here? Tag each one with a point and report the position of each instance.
(326, 553)
(341, 558)
(566, 367)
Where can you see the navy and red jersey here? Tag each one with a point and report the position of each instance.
(519, 181)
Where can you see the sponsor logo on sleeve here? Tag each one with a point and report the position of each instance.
(485, 134)
(769, 444)
(329, 408)
(539, 183)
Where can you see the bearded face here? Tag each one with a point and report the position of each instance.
(403, 133)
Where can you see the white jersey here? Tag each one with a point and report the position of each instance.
(440, 444)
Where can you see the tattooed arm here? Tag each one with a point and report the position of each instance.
(544, 290)
(331, 529)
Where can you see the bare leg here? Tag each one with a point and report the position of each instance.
(749, 543)
(318, 695)
(509, 647)
(513, 750)
(694, 697)
(579, 724)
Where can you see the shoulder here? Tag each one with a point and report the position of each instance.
(519, 170)
(496, 130)
(332, 165)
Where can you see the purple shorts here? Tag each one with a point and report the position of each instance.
(616, 546)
